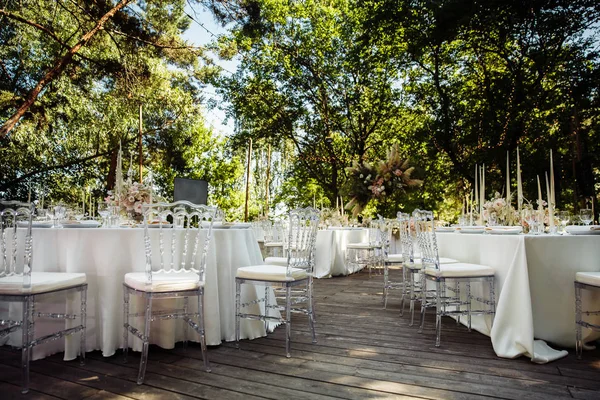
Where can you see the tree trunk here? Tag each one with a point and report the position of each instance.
(57, 70)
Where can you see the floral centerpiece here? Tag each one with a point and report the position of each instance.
(130, 199)
(376, 180)
(497, 211)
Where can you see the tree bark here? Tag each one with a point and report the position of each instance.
(57, 70)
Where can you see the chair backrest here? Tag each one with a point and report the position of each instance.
(390, 226)
(303, 224)
(405, 225)
(376, 234)
(16, 250)
(274, 231)
(425, 228)
(176, 237)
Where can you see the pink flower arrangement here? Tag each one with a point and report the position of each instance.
(132, 198)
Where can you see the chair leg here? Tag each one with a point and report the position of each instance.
(438, 312)
(186, 301)
(83, 316)
(578, 337)
(125, 323)
(267, 306)
(404, 290)
(237, 313)
(423, 303)
(311, 315)
(492, 299)
(385, 284)
(412, 298)
(311, 298)
(458, 300)
(468, 285)
(288, 321)
(146, 344)
(25, 345)
(202, 331)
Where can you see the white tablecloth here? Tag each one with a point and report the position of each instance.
(534, 288)
(330, 250)
(105, 255)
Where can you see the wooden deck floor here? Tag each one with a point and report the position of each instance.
(363, 352)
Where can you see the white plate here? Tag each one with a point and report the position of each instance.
(241, 225)
(87, 224)
(470, 229)
(504, 230)
(444, 229)
(35, 224)
(583, 230)
(156, 226)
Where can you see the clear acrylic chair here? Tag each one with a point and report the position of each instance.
(441, 274)
(274, 241)
(19, 284)
(294, 281)
(391, 260)
(367, 254)
(589, 281)
(175, 267)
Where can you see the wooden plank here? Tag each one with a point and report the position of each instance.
(13, 392)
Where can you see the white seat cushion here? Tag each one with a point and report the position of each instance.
(361, 246)
(281, 261)
(443, 260)
(395, 258)
(164, 281)
(41, 282)
(270, 273)
(458, 270)
(589, 278)
(274, 244)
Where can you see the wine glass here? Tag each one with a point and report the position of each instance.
(586, 216)
(564, 218)
(529, 215)
(104, 212)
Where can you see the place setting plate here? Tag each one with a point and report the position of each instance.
(504, 230)
(583, 229)
(81, 224)
(478, 229)
(445, 229)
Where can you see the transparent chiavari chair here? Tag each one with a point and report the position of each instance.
(174, 269)
(368, 254)
(588, 281)
(440, 274)
(19, 284)
(295, 279)
(391, 261)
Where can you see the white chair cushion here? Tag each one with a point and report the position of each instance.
(281, 261)
(459, 270)
(41, 282)
(270, 273)
(361, 246)
(274, 244)
(443, 260)
(589, 278)
(395, 258)
(164, 281)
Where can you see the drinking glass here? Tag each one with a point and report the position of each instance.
(564, 218)
(586, 215)
(104, 212)
(58, 215)
(492, 219)
(529, 215)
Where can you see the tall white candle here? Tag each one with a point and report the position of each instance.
(552, 198)
(42, 202)
(539, 194)
(507, 179)
(519, 184)
(482, 193)
(83, 202)
(550, 207)
(476, 183)
(29, 196)
(471, 213)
